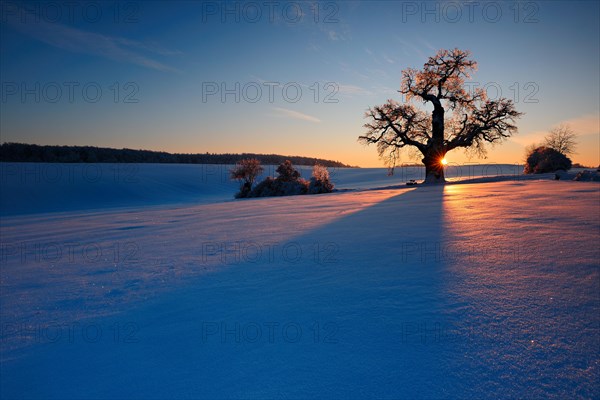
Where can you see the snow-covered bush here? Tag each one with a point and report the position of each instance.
(287, 172)
(288, 183)
(277, 187)
(319, 182)
(545, 159)
(588, 176)
(246, 171)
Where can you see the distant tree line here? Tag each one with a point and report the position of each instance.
(21, 152)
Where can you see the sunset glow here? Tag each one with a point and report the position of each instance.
(162, 94)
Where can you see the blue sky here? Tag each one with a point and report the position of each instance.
(154, 63)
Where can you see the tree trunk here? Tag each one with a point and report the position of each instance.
(435, 152)
(434, 169)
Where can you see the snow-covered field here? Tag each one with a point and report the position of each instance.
(154, 283)
(39, 187)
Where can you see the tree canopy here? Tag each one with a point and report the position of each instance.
(472, 121)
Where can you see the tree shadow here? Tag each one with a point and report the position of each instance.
(359, 310)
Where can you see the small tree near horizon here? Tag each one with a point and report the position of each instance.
(471, 122)
(246, 171)
(562, 139)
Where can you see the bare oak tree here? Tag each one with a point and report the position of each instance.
(562, 139)
(473, 120)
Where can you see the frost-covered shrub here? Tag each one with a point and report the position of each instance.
(245, 171)
(287, 183)
(287, 172)
(290, 183)
(319, 182)
(277, 187)
(588, 176)
(264, 189)
(544, 159)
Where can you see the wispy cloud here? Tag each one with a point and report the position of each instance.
(409, 48)
(264, 81)
(388, 59)
(427, 44)
(385, 90)
(151, 47)
(313, 47)
(296, 115)
(376, 72)
(347, 68)
(352, 90)
(84, 42)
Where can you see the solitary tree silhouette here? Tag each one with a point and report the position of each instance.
(562, 139)
(473, 119)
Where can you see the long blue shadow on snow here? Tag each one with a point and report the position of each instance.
(361, 315)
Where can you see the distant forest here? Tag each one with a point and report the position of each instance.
(21, 152)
